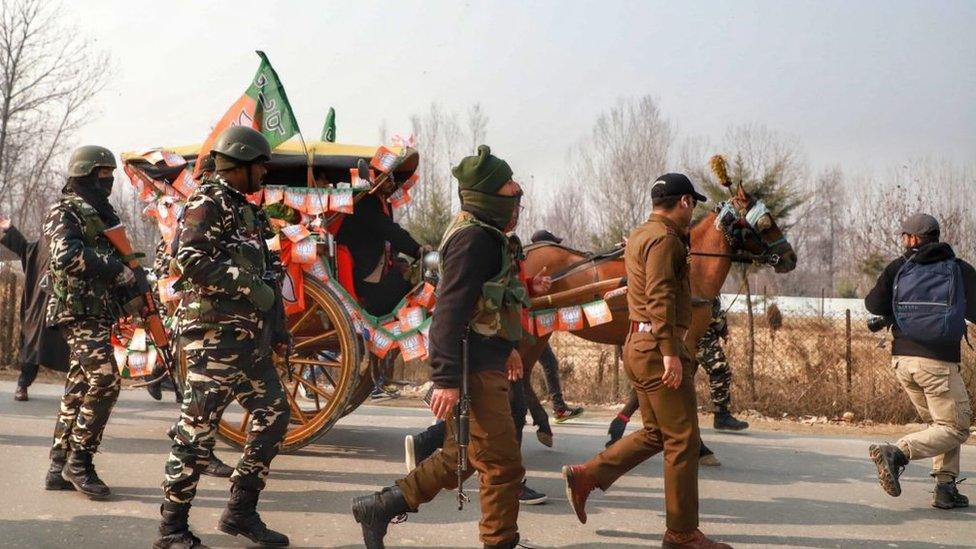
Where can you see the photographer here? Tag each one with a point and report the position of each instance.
(926, 296)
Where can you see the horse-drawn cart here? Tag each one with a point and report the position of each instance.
(331, 369)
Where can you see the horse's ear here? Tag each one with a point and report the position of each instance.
(740, 192)
(721, 171)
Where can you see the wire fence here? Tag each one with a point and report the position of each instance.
(822, 365)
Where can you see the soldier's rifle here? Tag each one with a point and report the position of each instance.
(462, 423)
(143, 304)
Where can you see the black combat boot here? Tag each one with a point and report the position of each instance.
(242, 519)
(891, 461)
(217, 468)
(155, 390)
(725, 421)
(375, 512)
(54, 480)
(174, 532)
(947, 496)
(80, 472)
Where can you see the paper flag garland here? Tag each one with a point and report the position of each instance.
(412, 347)
(304, 251)
(384, 160)
(295, 233)
(273, 194)
(545, 323)
(597, 312)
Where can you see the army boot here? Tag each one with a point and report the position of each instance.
(947, 496)
(80, 472)
(174, 532)
(511, 544)
(725, 421)
(242, 519)
(217, 468)
(54, 480)
(891, 461)
(377, 511)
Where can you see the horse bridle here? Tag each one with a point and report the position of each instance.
(737, 228)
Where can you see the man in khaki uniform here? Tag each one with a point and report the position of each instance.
(479, 297)
(660, 367)
(925, 352)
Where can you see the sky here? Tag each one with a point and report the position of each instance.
(862, 85)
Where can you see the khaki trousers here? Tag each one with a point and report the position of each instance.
(670, 424)
(937, 390)
(493, 451)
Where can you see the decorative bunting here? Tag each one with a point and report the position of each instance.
(167, 291)
(273, 194)
(341, 199)
(400, 197)
(545, 322)
(295, 198)
(412, 347)
(295, 233)
(410, 318)
(316, 201)
(304, 251)
(384, 160)
(597, 312)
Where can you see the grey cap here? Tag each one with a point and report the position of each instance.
(920, 224)
(543, 235)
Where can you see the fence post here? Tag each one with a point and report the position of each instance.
(848, 357)
(616, 372)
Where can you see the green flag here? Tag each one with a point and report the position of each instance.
(264, 107)
(329, 130)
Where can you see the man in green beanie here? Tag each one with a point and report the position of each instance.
(480, 297)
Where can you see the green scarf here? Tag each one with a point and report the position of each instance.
(496, 209)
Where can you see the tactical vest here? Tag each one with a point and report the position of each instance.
(503, 297)
(77, 296)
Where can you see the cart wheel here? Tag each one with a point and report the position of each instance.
(322, 372)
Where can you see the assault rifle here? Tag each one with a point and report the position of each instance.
(462, 423)
(143, 304)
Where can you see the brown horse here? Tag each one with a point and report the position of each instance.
(739, 230)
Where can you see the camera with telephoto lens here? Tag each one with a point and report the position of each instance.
(878, 323)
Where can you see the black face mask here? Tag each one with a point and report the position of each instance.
(95, 191)
(104, 185)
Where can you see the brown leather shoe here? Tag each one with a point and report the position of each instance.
(579, 484)
(20, 394)
(690, 540)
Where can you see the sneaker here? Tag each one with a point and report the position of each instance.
(891, 461)
(380, 394)
(528, 496)
(947, 496)
(563, 414)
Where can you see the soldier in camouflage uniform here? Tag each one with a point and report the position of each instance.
(84, 273)
(231, 316)
(712, 358)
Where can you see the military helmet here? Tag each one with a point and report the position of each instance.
(85, 159)
(242, 144)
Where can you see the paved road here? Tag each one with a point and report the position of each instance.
(774, 489)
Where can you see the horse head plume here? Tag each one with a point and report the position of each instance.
(721, 170)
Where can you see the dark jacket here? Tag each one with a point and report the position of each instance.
(470, 258)
(39, 344)
(878, 301)
(366, 233)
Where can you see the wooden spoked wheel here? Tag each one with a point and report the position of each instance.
(318, 378)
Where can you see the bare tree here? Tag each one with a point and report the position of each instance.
(477, 126)
(628, 146)
(48, 73)
(438, 136)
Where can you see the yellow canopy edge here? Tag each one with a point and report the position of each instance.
(318, 148)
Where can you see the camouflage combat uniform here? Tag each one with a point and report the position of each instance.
(83, 269)
(222, 254)
(712, 357)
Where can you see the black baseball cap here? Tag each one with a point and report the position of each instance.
(543, 235)
(675, 184)
(920, 224)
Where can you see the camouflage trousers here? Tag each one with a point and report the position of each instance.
(90, 389)
(712, 358)
(214, 378)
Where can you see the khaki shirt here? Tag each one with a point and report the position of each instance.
(658, 286)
